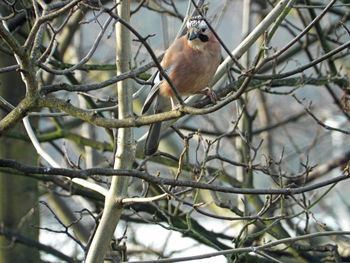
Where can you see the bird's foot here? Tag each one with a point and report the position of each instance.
(210, 93)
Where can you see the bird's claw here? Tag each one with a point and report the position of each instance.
(175, 107)
(212, 96)
(210, 93)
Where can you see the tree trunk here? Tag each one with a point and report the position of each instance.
(18, 195)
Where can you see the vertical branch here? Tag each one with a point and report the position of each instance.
(165, 31)
(125, 153)
(243, 144)
(126, 144)
(240, 144)
(246, 21)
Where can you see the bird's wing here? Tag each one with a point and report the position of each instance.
(157, 80)
(169, 62)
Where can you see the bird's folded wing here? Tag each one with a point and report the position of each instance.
(157, 80)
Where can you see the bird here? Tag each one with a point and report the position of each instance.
(190, 63)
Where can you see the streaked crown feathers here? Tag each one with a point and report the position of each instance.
(196, 22)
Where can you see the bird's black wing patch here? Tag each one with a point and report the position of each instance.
(157, 80)
(152, 93)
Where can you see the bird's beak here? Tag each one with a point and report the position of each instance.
(192, 35)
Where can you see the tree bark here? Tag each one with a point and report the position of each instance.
(125, 153)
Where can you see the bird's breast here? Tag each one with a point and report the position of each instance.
(193, 73)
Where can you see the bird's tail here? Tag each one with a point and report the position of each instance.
(153, 137)
(152, 141)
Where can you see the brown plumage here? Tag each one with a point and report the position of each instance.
(193, 68)
(190, 62)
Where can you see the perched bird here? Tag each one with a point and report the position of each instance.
(190, 62)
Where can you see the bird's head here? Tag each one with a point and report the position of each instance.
(198, 33)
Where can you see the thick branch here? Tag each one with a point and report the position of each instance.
(165, 181)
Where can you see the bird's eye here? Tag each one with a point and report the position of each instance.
(203, 29)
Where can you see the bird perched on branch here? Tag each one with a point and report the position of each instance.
(190, 62)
